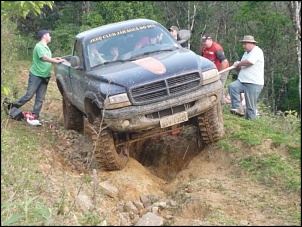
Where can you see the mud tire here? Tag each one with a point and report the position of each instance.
(107, 154)
(210, 125)
(73, 117)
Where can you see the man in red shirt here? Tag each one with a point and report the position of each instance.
(214, 52)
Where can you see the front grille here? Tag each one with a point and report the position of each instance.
(161, 90)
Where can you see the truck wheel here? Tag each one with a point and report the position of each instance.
(106, 152)
(73, 117)
(210, 125)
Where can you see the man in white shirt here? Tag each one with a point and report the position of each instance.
(250, 79)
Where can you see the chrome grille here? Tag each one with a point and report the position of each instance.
(161, 90)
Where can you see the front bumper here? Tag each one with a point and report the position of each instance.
(137, 118)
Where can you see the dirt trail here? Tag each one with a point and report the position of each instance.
(208, 188)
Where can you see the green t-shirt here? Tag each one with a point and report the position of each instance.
(39, 67)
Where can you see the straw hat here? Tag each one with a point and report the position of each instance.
(248, 39)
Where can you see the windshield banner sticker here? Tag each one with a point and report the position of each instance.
(122, 32)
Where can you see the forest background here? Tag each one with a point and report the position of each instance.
(250, 177)
(273, 24)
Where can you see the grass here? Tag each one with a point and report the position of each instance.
(22, 184)
(21, 178)
(268, 150)
(220, 219)
(277, 166)
(266, 166)
(273, 170)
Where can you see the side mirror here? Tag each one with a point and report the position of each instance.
(75, 62)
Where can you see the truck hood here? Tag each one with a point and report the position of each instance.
(151, 68)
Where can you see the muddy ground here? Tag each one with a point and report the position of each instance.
(207, 187)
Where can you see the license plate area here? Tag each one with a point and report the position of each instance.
(173, 119)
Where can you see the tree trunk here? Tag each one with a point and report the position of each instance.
(295, 14)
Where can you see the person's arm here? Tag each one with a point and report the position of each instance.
(244, 62)
(53, 60)
(115, 53)
(222, 59)
(99, 55)
(223, 64)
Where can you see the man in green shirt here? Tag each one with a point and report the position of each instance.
(39, 73)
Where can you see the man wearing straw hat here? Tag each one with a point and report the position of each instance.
(250, 79)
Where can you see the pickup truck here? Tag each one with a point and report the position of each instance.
(154, 86)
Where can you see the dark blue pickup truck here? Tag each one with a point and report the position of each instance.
(134, 80)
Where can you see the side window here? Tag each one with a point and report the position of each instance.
(78, 51)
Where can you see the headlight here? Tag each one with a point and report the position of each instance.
(210, 76)
(117, 101)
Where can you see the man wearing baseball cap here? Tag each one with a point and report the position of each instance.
(250, 79)
(214, 52)
(174, 32)
(39, 73)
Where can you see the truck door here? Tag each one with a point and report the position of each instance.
(77, 77)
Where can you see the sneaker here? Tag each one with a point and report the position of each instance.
(239, 112)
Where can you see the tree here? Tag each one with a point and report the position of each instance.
(295, 15)
(22, 8)
(13, 10)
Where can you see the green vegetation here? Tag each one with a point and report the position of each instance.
(267, 136)
(269, 22)
(268, 149)
(21, 177)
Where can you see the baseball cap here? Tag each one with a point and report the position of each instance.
(41, 33)
(204, 37)
(173, 28)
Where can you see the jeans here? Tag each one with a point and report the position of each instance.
(36, 86)
(251, 94)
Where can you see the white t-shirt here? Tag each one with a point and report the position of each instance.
(255, 73)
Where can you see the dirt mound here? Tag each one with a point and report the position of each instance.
(134, 180)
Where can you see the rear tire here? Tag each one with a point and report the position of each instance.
(73, 117)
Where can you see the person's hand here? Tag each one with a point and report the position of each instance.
(94, 51)
(138, 46)
(236, 64)
(115, 52)
(60, 60)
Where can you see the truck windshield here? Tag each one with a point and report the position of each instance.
(123, 47)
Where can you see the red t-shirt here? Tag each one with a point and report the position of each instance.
(210, 53)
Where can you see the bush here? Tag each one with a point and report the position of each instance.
(9, 53)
